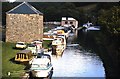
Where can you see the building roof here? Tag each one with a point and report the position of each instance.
(64, 18)
(68, 18)
(24, 8)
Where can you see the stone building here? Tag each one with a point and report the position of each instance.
(69, 21)
(24, 23)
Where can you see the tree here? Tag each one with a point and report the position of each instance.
(110, 20)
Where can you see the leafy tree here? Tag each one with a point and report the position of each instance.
(110, 20)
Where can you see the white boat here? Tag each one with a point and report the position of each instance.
(63, 31)
(71, 45)
(48, 51)
(60, 31)
(69, 21)
(63, 40)
(58, 45)
(41, 66)
(49, 36)
(38, 43)
(33, 48)
(87, 25)
(20, 45)
(93, 28)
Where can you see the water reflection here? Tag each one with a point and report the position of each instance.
(77, 62)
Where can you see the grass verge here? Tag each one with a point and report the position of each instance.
(47, 44)
(8, 54)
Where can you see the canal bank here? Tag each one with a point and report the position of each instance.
(105, 47)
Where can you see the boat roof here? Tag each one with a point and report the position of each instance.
(24, 51)
(37, 41)
(43, 55)
(48, 33)
(58, 38)
(60, 27)
(93, 28)
(31, 45)
(67, 18)
(20, 42)
(61, 36)
(40, 61)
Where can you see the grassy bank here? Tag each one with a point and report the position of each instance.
(47, 44)
(8, 54)
(8, 64)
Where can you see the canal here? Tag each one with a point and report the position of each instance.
(77, 61)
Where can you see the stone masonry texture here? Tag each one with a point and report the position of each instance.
(24, 27)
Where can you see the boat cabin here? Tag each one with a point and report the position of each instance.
(38, 44)
(47, 36)
(24, 55)
(33, 48)
(41, 66)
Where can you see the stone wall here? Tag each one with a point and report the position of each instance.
(24, 27)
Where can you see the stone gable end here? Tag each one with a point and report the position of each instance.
(24, 27)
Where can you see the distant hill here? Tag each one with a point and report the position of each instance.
(53, 11)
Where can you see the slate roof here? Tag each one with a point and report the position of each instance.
(24, 8)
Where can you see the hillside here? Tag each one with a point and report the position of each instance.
(54, 11)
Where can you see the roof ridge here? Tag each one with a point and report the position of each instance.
(31, 7)
(28, 5)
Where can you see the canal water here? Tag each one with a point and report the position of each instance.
(77, 62)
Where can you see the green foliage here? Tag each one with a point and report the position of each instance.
(8, 54)
(47, 44)
(110, 19)
(46, 29)
(54, 11)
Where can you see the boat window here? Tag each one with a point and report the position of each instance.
(17, 56)
(38, 56)
(35, 65)
(71, 22)
(66, 22)
(42, 66)
(44, 57)
(20, 43)
(55, 39)
(48, 65)
(20, 55)
(31, 45)
(25, 56)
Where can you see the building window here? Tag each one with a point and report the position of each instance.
(71, 22)
(66, 22)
